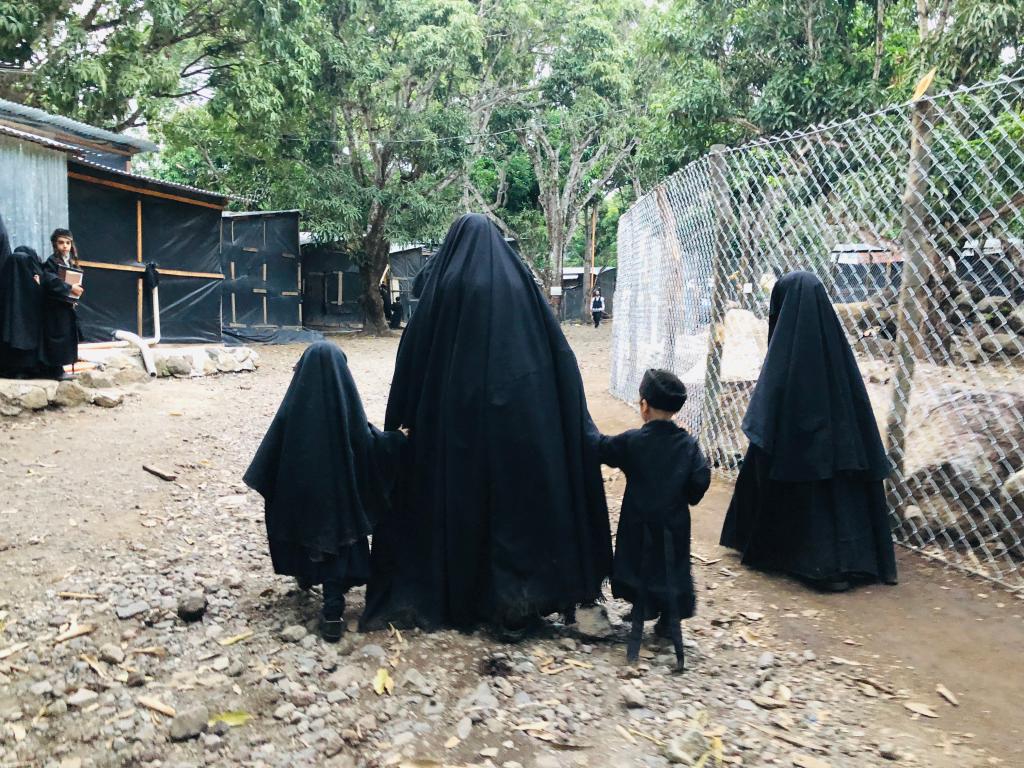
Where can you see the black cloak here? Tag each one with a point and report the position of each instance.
(5, 243)
(502, 514)
(666, 473)
(324, 473)
(809, 499)
(60, 319)
(21, 312)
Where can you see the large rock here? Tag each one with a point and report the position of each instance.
(96, 379)
(189, 723)
(71, 393)
(963, 447)
(1011, 508)
(18, 395)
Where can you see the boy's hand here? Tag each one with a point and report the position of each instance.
(405, 431)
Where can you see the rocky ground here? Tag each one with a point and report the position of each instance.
(141, 625)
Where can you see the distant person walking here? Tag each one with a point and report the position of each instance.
(597, 307)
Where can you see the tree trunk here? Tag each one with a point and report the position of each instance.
(587, 286)
(377, 248)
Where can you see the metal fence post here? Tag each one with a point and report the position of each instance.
(719, 269)
(919, 261)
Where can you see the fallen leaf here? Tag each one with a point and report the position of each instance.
(540, 726)
(156, 706)
(840, 661)
(947, 694)
(625, 734)
(237, 638)
(95, 665)
(13, 649)
(920, 709)
(78, 596)
(579, 664)
(790, 738)
(766, 703)
(73, 632)
(806, 761)
(382, 682)
(650, 738)
(749, 637)
(150, 650)
(233, 719)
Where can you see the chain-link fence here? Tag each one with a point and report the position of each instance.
(913, 217)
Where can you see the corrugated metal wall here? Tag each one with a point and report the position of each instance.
(33, 192)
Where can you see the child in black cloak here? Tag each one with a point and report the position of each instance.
(324, 473)
(60, 318)
(665, 474)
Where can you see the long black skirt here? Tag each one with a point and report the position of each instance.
(826, 530)
(350, 567)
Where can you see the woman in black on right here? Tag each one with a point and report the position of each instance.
(809, 499)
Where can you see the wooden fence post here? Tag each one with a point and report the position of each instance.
(720, 275)
(918, 268)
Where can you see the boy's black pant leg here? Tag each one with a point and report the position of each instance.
(334, 600)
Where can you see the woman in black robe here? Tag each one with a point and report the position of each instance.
(502, 516)
(21, 313)
(809, 498)
(60, 316)
(324, 473)
(5, 243)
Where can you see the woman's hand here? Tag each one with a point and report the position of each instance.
(77, 290)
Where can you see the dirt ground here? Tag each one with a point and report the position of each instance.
(778, 675)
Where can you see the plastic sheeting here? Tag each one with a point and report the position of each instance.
(259, 256)
(176, 235)
(33, 192)
(332, 287)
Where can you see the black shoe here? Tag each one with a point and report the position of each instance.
(331, 630)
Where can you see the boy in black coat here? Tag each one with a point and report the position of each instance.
(665, 474)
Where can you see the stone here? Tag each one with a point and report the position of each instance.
(175, 365)
(414, 680)
(127, 376)
(96, 380)
(70, 394)
(293, 634)
(890, 752)
(192, 607)
(592, 622)
(189, 723)
(1011, 505)
(108, 399)
(1002, 344)
(111, 653)
(765, 660)
(131, 609)
(83, 697)
(344, 677)
(42, 688)
(57, 708)
(687, 748)
(373, 651)
(463, 728)
(632, 697)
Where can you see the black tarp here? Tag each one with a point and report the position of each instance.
(263, 278)
(178, 234)
(573, 306)
(332, 287)
(405, 265)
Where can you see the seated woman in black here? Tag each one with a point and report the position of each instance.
(809, 498)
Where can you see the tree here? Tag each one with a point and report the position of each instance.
(578, 128)
(122, 63)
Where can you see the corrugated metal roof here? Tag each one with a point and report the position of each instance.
(60, 146)
(37, 118)
(239, 214)
(150, 180)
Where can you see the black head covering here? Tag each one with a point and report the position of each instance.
(21, 300)
(810, 410)
(663, 390)
(502, 512)
(315, 467)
